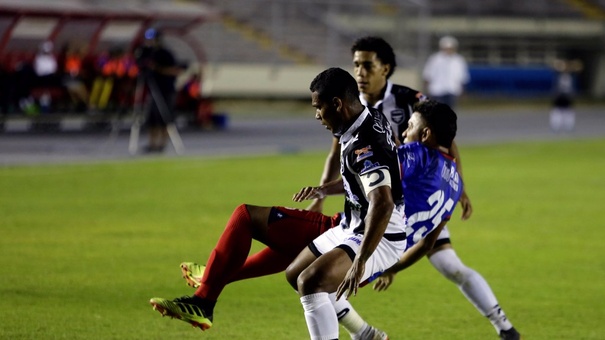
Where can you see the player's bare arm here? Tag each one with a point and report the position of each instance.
(335, 187)
(465, 201)
(376, 221)
(409, 257)
(330, 173)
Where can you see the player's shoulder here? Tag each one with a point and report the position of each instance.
(376, 122)
(417, 152)
(412, 148)
(407, 93)
(398, 88)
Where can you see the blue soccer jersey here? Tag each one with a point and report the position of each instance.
(431, 188)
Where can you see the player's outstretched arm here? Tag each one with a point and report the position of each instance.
(465, 201)
(409, 257)
(320, 192)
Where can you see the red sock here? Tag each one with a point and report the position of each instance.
(228, 255)
(265, 262)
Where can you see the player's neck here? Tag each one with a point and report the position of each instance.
(373, 98)
(443, 149)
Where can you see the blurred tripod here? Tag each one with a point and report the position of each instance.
(146, 80)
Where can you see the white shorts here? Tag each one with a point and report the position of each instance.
(444, 234)
(387, 252)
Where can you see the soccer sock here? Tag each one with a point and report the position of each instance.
(556, 119)
(228, 255)
(265, 262)
(569, 119)
(472, 285)
(350, 319)
(499, 319)
(320, 316)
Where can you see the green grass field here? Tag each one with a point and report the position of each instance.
(84, 246)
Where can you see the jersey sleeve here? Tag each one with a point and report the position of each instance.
(371, 167)
(411, 159)
(370, 159)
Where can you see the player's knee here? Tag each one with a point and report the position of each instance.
(241, 211)
(308, 281)
(450, 266)
(292, 273)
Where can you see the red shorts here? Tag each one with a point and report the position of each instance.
(291, 230)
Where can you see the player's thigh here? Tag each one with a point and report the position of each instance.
(259, 217)
(289, 230)
(325, 273)
(300, 263)
(443, 242)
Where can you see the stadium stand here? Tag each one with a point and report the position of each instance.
(269, 47)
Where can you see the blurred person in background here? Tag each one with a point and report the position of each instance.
(159, 70)
(562, 115)
(115, 81)
(446, 73)
(46, 65)
(74, 76)
(46, 69)
(190, 98)
(126, 73)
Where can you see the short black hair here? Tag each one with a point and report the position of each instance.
(383, 50)
(335, 82)
(440, 118)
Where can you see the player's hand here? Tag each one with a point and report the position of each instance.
(308, 193)
(351, 281)
(384, 281)
(467, 208)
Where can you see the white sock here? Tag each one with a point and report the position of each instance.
(569, 120)
(472, 285)
(556, 120)
(499, 319)
(320, 316)
(350, 319)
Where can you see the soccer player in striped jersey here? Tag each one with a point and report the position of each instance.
(371, 236)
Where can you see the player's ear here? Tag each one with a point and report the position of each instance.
(337, 103)
(386, 69)
(426, 135)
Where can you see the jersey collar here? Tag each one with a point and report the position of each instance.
(348, 134)
(387, 94)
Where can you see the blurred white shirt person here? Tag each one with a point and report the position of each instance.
(45, 63)
(446, 72)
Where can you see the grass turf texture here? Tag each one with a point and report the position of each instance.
(83, 247)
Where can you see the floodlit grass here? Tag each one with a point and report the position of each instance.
(84, 246)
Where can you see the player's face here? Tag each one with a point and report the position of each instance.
(370, 72)
(416, 130)
(325, 112)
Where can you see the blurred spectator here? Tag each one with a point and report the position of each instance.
(103, 83)
(190, 98)
(23, 78)
(562, 115)
(446, 73)
(47, 76)
(73, 77)
(126, 73)
(159, 70)
(115, 82)
(46, 66)
(5, 85)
